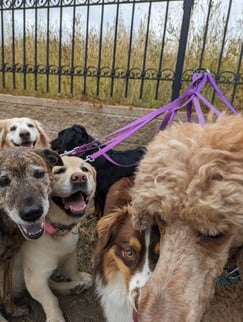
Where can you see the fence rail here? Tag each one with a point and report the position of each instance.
(137, 52)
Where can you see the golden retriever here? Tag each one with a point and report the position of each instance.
(22, 131)
(73, 190)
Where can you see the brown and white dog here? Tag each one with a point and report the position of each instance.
(73, 190)
(25, 183)
(124, 258)
(22, 131)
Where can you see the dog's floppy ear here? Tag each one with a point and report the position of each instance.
(215, 192)
(52, 158)
(3, 124)
(44, 139)
(81, 131)
(108, 225)
(79, 128)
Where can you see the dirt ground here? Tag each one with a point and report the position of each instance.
(77, 308)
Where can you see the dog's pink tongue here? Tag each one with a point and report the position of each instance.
(76, 205)
(134, 316)
(28, 144)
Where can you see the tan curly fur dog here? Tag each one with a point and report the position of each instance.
(190, 183)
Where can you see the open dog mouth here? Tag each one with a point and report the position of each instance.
(27, 144)
(75, 205)
(34, 230)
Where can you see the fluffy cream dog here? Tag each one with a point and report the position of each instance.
(73, 190)
(22, 131)
(190, 183)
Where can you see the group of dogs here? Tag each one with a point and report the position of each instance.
(167, 226)
(50, 195)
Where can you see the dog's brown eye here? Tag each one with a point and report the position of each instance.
(84, 169)
(12, 128)
(38, 174)
(30, 125)
(129, 254)
(4, 181)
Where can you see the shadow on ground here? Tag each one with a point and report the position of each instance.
(76, 308)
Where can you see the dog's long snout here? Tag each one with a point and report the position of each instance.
(31, 212)
(78, 177)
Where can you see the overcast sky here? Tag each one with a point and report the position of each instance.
(158, 11)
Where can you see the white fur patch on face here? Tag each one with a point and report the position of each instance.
(139, 278)
(22, 132)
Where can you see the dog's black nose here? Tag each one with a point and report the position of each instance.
(24, 134)
(31, 212)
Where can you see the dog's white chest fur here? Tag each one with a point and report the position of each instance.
(114, 300)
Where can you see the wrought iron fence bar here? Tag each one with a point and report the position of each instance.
(237, 75)
(72, 47)
(24, 49)
(129, 49)
(13, 50)
(145, 51)
(36, 46)
(100, 50)
(86, 49)
(205, 33)
(60, 50)
(114, 50)
(222, 47)
(47, 49)
(176, 85)
(162, 50)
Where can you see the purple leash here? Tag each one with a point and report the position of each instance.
(191, 97)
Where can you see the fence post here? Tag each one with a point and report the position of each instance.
(176, 85)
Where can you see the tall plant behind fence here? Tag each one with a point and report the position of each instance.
(122, 51)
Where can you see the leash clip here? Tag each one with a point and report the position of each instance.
(66, 152)
(201, 70)
(89, 159)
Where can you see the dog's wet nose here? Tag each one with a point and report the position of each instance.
(24, 134)
(31, 212)
(78, 177)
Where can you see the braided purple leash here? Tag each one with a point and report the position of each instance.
(191, 97)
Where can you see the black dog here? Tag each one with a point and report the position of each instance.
(107, 172)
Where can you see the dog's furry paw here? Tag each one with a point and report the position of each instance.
(85, 282)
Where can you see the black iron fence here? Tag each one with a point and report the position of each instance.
(132, 51)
